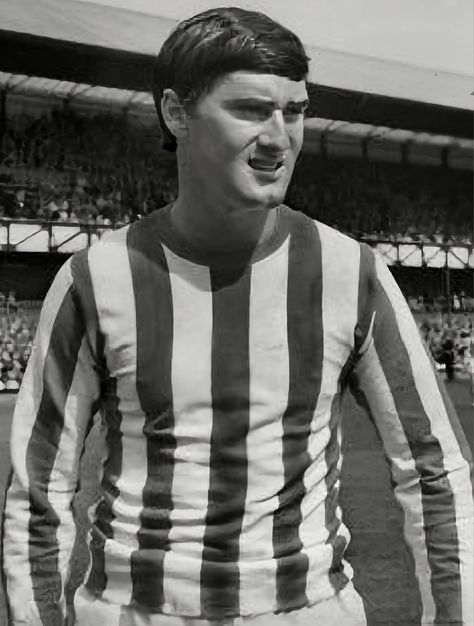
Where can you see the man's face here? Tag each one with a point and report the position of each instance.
(244, 137)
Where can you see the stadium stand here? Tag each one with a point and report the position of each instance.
(67, 167)
(17, 330)
(100, 170)
(385, 201)
(450, 341)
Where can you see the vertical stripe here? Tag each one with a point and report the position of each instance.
(154, 337)
(269, 380)
(94, 339)
(366, 289)
(102, 530)
(87, 301)
(191, 383)
(340, 573)
(456, 426)
(58, 371)
(340, 272)
(373, 384)
(78, 410)
(228, 461)
(81, 405)
(416, 562)
(3, 575)
(448, 508)
(117, 514)
(16, 561)
(305, 341)
(338, 535)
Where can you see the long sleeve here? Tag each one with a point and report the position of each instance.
(53, 412)
(428, 455)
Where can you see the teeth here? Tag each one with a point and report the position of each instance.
(265, 166)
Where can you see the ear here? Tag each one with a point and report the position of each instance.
(174, 114)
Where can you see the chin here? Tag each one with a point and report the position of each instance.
(260, 201)
(272, 197)
(273, 201)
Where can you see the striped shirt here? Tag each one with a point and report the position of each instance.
(219, 384)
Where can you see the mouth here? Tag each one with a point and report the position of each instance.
(265, 165)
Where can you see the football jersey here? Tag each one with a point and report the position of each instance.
(219, 383)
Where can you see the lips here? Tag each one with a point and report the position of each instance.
(263, 164)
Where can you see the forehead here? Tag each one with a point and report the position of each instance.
(244, 85)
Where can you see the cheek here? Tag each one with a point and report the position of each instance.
(223, 140)
(296, 139)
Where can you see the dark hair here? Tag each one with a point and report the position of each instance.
(216, 42)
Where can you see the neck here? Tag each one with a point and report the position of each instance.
(218, 226)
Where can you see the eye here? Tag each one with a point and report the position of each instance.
(294, 110)
(253, 111)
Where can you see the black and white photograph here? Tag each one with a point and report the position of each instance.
(236, 313)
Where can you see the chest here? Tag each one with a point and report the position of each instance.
(183, 338)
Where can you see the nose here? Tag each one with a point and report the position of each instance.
(274, 136)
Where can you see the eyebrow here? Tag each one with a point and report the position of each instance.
(263, 100)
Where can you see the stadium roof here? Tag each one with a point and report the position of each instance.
(99, 45)
(86, 23)
(98, 25)
(327, 136)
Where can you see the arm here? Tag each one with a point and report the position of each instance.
(53, 412)
(427, 451)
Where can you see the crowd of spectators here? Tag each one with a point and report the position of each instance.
(450, 342)
(447, 327)
(458, 303)
(17, 331)
(386, 201)
(103, 170)
(72, 168)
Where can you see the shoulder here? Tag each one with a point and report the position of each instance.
(108, 245)
(113, 238)
(299, 219)
(99, 259)
(331, 236)
(332, 240)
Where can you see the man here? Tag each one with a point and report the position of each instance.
(216, 336)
